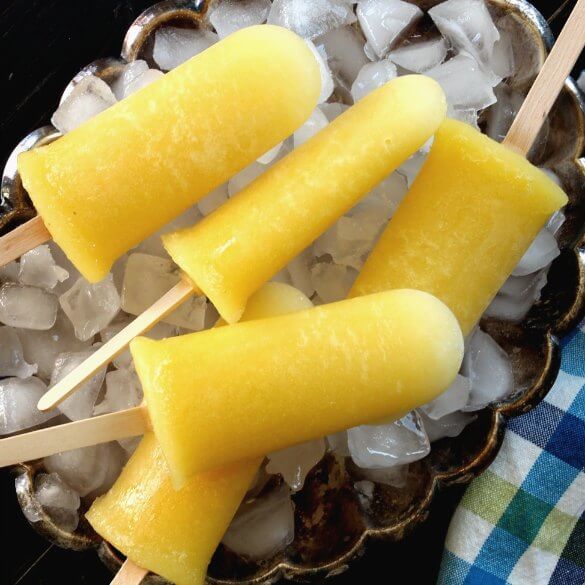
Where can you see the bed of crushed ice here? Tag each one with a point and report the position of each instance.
(53, 319)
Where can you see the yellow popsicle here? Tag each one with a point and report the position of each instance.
(108, 184)
(175, 533)
(232, 393)
(233, 251)
(470, 215)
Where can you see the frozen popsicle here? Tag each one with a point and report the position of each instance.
(175, 533)
(470, 215)
(235, 250)
(232, 252)
(233, 393)
(105, 186)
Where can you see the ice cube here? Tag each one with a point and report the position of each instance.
(502, 62)
(245, 177)
(338, 444)
(58, 500)
(27, 307)
(517, 297)
(470, 117)
(64, 262)
(420, 57)
(464, 83)
(344, 48)
(18, 404)
(86, 470)
(80, 404)
(91, 306)
(129, 445)
(123, 391)
(311, 18)
(317, 121)
(9, 272)
(395, 476)
(130, 72)
(228, 16)
(173, 46)
(411, 168)
(333, 110)
(327, 84)
(468, 26)
(541, 253)
(124, 360)
(262, 527)
(581, 81)
(270, 155)
(453, 399)
(387, 445)
(294, 463)
(12, 362)
(451, 425)
(147, 279)
(146, 78)
(214, 200)
(384, 199)
(37, 268)
(300, 273)
(87, 99)
(383, 21)
(557, 219)
(372, 76)
(43, 347)
(489, 370)
(332, 281)
(502, 113)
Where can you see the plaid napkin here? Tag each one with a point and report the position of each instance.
(523, 521)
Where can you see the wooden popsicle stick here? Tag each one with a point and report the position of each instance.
(115, 346)
(129, 574)
(25, 237)
(81, 433)
(548, 84)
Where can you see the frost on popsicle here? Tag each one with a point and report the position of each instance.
(359, 47)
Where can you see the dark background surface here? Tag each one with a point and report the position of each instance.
(43, 43)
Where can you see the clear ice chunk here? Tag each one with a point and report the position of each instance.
(383, 21)
(91, 306)
(43, 347)
(502, 113)
(581, 81)
(489, 370)
(270, 155)
(80, 404)
(294, 463)
(388, 445)
(228, 16)
(87, 99)
(173, 46)
(18, 404)
(37, 268)
(9, 272)
(327, 83)
(146, 78)
(130, 72)
(214, 200)
(453, 399)
(338, 444)
(464, 82)
(344, 48)
(263, 527)
(468, 26)
(12, 362)
(87, 470)
(58, 500)
(27, 307)
(451, 425)
(333, 110)
(420, 57)
(300, 273)
(372, 76)
(411, 168)
(541, 253)
(245, 177)
(331, 281)
(396, 476)
(147, 279)
(311, 18)
(316, 122)
(123, 391)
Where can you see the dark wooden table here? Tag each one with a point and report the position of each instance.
(43, 43)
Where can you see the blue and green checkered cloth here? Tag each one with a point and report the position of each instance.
(522, 522)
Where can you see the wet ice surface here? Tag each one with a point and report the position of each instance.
(467, 59)
(173, 46)
(262, 527)
(58, 500)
